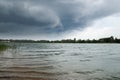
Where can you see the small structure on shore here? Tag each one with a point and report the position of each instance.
(108, 39)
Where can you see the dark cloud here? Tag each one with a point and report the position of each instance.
(52, 16)
(26, 14)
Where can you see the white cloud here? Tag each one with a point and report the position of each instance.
(108, 26)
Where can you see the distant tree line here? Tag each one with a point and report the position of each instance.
(101, 40)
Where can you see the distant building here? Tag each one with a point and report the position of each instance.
(108, 39)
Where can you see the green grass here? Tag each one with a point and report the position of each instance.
(3, 47)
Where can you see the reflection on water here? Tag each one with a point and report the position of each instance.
(32, 61)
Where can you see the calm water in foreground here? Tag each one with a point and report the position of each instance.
(49, 61)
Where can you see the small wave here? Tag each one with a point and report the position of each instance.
(85, 60)
(2, 58)
(23, 78)
(89, 72)
(76, 54)
(106, 78)
(23, 72)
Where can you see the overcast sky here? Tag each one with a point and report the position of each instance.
(59, 19)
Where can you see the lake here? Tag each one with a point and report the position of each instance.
(60, 61)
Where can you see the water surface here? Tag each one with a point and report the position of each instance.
(52, 61)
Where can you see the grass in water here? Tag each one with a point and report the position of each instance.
(3, 47)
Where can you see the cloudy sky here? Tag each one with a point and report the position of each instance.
(59, 19)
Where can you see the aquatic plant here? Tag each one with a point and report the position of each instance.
(3, 47)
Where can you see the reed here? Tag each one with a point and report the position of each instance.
(3, 47)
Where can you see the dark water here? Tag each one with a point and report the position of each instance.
(33, 61)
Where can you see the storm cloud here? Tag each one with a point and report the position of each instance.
(45, 17)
